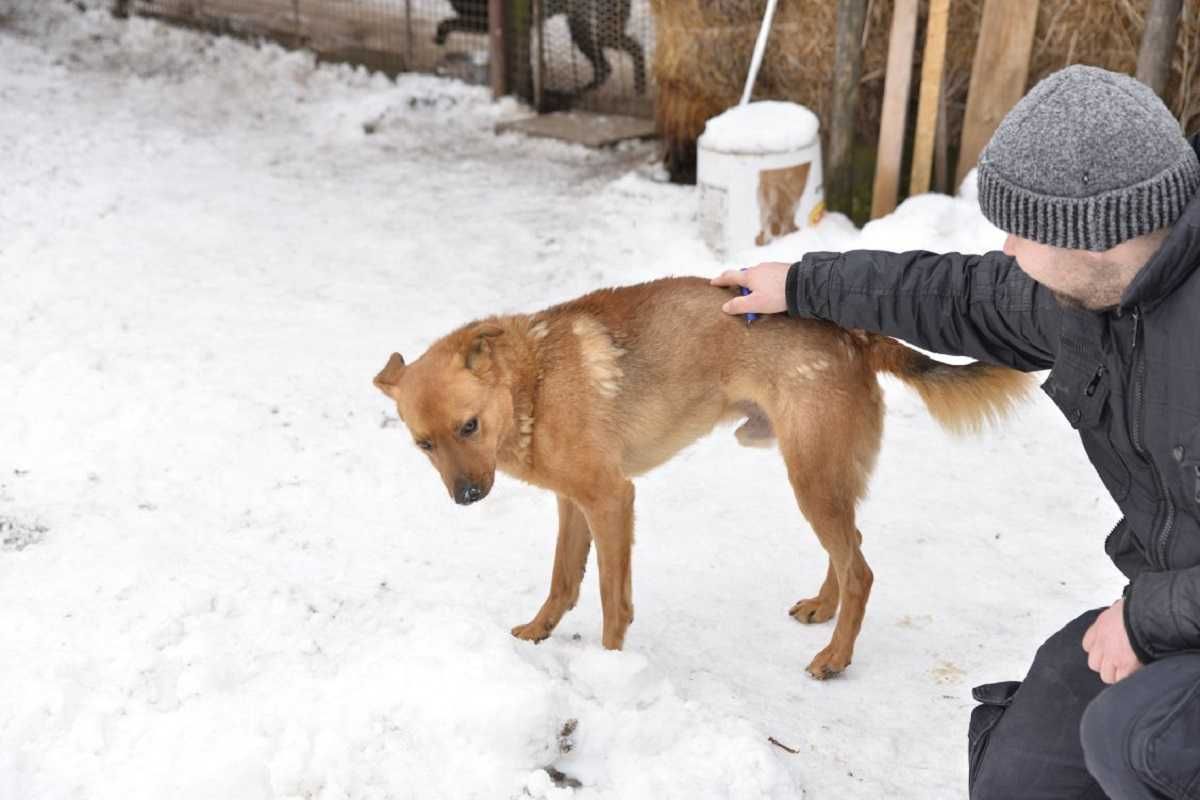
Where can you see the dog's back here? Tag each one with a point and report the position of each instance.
(657, 365)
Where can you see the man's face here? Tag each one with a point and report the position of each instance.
(1077, 277)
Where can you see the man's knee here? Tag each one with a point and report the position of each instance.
(1139, 738)
(1030, 757)
(1066, 646)
(1104, 732)
(1015, 736)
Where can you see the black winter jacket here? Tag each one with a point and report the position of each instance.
(1128, 380)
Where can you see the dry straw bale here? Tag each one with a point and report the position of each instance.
(703, 53)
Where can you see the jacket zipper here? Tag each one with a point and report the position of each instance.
(1138, 411)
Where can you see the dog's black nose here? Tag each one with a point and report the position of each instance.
(467, 493)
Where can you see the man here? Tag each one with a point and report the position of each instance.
(1099, 281)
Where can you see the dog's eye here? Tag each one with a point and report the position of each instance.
(469, 427)
(425, 444)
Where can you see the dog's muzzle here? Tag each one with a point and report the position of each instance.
(467, 493)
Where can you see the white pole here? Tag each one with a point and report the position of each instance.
(760, 45)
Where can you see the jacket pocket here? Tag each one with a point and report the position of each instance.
(1081, 390)
(1125, 550)
(1187, 455)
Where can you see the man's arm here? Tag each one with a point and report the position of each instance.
(982, 306)
(1162, 612)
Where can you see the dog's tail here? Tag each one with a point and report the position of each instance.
(962, 398)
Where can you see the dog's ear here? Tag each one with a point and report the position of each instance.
(478, 354)
(389, 376)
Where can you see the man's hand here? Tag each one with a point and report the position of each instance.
(767, 283)
(1107, 645)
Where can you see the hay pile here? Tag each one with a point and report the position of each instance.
(1108, 34)
(703, 53)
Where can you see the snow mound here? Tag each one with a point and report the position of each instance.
(766, 126)
(225, 571)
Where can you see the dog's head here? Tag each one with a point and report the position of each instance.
(456, 407)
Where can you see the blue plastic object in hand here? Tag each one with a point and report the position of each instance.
(750, 317)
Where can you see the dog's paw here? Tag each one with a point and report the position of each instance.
(812, 611)
(828, 663)
(531, 632)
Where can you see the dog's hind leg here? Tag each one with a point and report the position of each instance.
(570, 561)
(609, 513)
(828, 462)
(830, 511)
(634, 48)
(584, 33)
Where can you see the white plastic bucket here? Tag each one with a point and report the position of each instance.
(758, 169)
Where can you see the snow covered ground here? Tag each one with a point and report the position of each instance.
(226, 573)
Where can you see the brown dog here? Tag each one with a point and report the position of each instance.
(581, 398)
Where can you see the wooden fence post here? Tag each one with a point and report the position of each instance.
(496, 58)
(847, 69)
(895, 108)
(409, 57)
(931, 87)
(1158, 44)
(998, 75)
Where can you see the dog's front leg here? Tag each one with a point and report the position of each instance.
(610, 515)
(570, 560)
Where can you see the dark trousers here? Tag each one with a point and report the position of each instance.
(1062, 734)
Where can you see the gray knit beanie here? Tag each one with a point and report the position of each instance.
(1088, 159)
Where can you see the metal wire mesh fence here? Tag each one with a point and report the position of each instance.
(391, 35)
(592, 54)
(588, 54)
